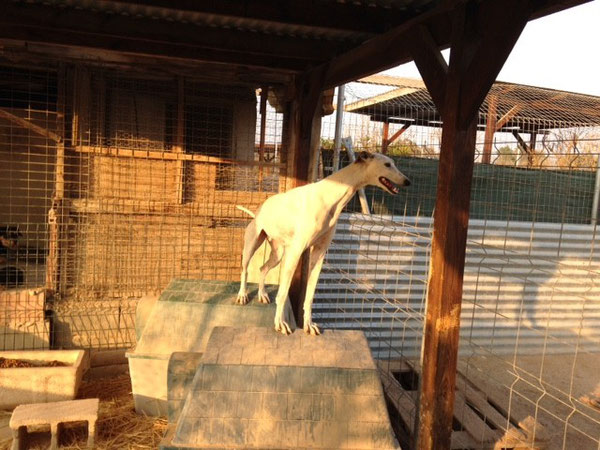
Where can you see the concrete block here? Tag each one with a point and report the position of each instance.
(41, 384)
(55, 415)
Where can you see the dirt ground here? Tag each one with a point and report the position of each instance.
(118, 426)
(552, 389)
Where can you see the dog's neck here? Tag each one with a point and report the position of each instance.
(343, 184)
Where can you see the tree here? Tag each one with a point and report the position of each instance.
(507, 156)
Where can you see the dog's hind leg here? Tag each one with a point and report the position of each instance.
(274, 259)
(253, 239)
(290, 259)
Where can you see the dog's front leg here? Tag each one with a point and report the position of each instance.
(317, 256)
(289, 262)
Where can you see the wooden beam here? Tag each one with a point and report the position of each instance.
(512, 112)
(58, 210)
(524, 147)
(24, 123)
(431, 64)
(387, 141)
(503, 23)
(490, 128)
(264, 94)
(388, 49)
(384, 138)
(180, 140)
(162, 65)
(399, 133)
(444, 295)
(394, 47)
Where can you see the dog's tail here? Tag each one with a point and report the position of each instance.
(246, 210)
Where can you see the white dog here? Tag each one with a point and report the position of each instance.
(305, 217)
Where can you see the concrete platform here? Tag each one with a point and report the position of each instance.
(256, 388)
(181, 321)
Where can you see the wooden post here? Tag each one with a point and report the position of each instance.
(384, 140)
(304, 138)
(57, 210)
(264, 92)
(458, 91)
(179, 141)
(490, 129)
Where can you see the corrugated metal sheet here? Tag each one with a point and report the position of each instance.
(529, 288)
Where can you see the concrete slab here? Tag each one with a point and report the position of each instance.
(257, 388)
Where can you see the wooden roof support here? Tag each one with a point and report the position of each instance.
(28, 125)
(475, 60)
(303, 138)
(490, 129)
(387, 141)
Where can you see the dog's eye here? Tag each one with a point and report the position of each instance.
(388, 165)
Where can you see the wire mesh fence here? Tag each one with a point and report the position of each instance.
(529, 351)
(114, 183)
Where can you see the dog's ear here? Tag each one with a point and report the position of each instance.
(363, 156)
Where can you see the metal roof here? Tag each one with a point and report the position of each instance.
(275, 39)
(527, 108)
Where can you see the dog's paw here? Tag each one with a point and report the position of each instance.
(312, 329)
(242, 299)
(283, 327)
(263, 297)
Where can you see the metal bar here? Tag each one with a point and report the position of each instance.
(339, 115)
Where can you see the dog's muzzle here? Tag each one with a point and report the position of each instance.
(390, 186)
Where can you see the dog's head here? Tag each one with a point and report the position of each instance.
(381, 171)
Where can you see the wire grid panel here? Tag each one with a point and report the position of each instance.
(114, 184)
(531, 305)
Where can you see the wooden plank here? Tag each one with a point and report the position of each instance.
(490, 128)
(170, 156)
(393, 94)
(388, 49)
(4, 114)
(179, 140)
(384, 138)
(463, 440)
(403, 401)
(472, 423)
(478, 399)
(503, 22)
(58, 210)
(264, 94)
(432, 65)
(399, 133)
(512, 112)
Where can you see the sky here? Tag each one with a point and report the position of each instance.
(560, 51)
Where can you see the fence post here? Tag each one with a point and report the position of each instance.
(339, 117)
